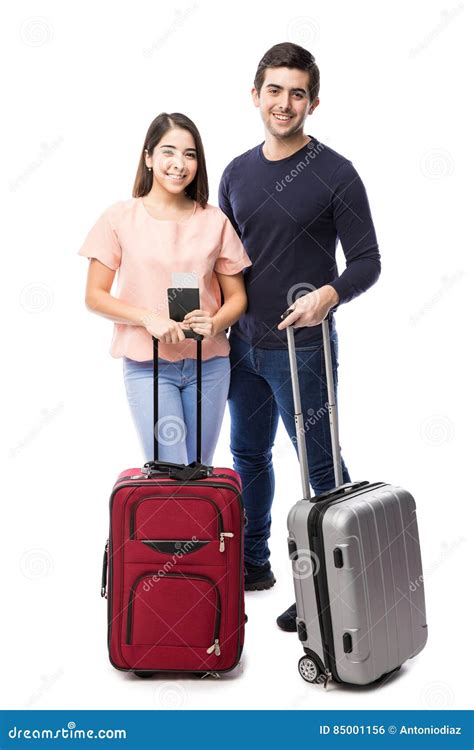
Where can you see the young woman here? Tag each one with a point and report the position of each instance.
(168, 236)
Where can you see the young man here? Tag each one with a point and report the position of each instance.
(290, 199)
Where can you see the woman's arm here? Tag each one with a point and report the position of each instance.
(99, 300)
(235, 303)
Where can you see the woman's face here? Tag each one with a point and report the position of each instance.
(174, 160)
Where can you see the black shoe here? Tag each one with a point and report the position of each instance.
(258, 577)
(287, 620)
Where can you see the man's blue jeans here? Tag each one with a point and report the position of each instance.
(260, 392)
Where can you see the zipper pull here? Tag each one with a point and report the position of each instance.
(222, 536)
(215, 648)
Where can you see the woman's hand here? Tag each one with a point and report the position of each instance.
(165, 330)
(201, 322)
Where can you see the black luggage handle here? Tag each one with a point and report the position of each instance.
(195, 470)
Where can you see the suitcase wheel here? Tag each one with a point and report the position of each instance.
(144, 675)
(308, 669)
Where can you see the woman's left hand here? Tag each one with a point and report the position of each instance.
(200, 322)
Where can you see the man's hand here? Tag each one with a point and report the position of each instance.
(199, 321)
(311, 308)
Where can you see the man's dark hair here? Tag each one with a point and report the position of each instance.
(288, 55)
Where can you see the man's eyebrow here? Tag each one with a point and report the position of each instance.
(276, 86)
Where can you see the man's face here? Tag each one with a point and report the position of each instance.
(284, 101)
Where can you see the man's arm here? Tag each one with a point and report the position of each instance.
(356, 232)
(224, 201)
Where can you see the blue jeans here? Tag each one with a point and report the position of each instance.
(260, 392)
(176, 429)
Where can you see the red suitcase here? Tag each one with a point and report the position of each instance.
(173, 564)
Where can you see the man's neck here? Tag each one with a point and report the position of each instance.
(276, 148)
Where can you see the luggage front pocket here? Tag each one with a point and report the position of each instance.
(198, 517)
(174, 609)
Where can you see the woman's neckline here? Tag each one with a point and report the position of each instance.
(166, 221)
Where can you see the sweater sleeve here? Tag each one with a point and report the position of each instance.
(224, 200)
(356, 232)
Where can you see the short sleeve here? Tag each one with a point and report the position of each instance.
(102, 241)
(232, 257)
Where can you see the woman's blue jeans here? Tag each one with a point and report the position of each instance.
(176, 427)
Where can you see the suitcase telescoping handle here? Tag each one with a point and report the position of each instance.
(332, 408)
(195, 470)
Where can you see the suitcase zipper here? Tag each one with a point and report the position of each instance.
(222, 536)
(215, 646)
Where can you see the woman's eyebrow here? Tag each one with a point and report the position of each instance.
(163, 145)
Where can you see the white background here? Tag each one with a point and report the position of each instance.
(84, 82)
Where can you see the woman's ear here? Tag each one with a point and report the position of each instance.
(147, 158)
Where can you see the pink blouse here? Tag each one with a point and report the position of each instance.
(146, 252)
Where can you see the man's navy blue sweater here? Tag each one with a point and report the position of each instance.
(289, 215)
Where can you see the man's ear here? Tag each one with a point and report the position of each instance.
(313, 105)
(255, 96)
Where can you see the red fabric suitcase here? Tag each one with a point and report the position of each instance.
(173, 564)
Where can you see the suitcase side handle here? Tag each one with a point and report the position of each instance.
(332, 408)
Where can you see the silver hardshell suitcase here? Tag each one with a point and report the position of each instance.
(356, 567)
